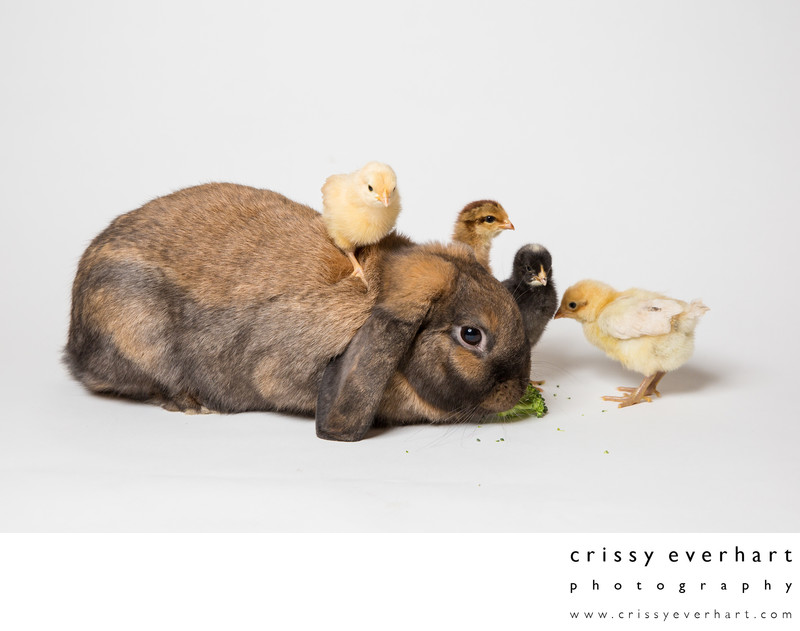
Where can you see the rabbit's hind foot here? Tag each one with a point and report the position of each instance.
(185, 403)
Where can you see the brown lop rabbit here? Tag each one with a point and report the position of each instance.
(228, 298)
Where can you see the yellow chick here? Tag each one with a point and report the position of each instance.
(645, 331)
(477, 224)
(360, 208)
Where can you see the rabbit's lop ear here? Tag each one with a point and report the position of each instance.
(353, 384)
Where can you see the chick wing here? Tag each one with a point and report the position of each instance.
(635, 315)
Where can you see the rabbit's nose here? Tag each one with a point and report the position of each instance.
(505, 395)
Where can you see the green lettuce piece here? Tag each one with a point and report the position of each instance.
(531, 404)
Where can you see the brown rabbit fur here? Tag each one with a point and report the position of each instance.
(229, 298)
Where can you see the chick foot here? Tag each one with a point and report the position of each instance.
(645, 390)
(357, 269)
(631, 399)
(536, 384)
(651, 389)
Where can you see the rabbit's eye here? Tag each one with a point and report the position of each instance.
(369, 186)
(471, 335)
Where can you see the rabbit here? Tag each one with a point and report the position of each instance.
(227, 298)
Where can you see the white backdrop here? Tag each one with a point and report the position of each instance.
(646, 144)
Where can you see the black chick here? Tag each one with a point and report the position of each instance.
(532, 286)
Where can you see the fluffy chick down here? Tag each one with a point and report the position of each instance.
(533, 288)
(477, 224)
(360, 208)
(645, 331)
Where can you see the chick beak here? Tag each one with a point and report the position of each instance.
(559, 314)
(541, 277)
(506, 225)
(384, 199)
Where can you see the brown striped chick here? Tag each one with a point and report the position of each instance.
(477, 224)
(645, 331)
(360, 208)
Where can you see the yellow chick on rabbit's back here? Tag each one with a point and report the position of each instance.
(360, 208)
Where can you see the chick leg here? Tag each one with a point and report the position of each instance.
(651, 389)
(357, 269)
(636, 396)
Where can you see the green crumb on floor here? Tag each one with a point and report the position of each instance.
(558, 429)
(406, 450)
(602, 410)
(606, 451)
(558, 386)
(478, 439)
(531, 404)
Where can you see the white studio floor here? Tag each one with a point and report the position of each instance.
(716, 453)
(644, 146)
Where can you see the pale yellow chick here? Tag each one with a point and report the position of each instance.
(360, 208)
(645, 331)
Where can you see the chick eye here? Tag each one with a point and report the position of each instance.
(573, 305)
(471, 335)
(369, 186)
(489, 219)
